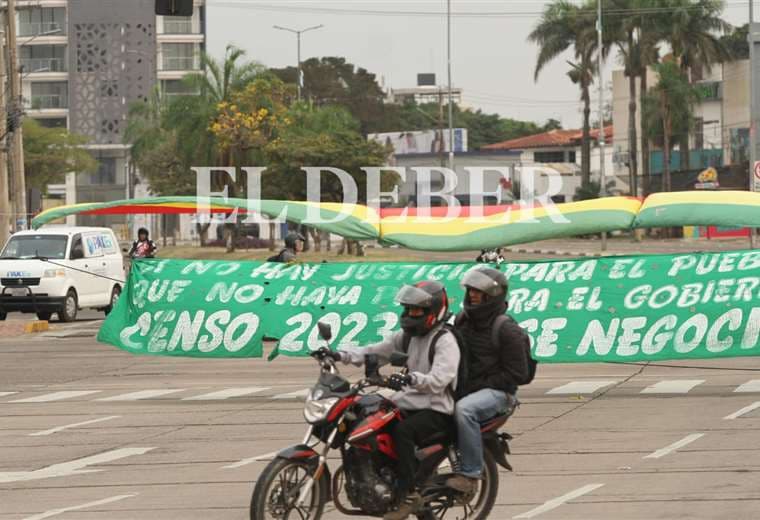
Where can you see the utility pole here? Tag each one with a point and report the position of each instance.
(451, 102)
(298, 39)
(16, 141)
(602, 176)
(753, 125)
(4, 204)
(439, 137)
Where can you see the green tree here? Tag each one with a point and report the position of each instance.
(563, 26)
(50, 153)
(667, 110)
(737, 43)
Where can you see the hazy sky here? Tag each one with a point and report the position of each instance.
(491, 58)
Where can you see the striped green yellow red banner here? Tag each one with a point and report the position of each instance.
(461, 229)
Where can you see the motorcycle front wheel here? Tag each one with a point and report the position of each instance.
(276, 494)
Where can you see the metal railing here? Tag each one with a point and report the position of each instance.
(178, 27)
(32, 65)
(50, 101)
(180, 63)
(35, 28)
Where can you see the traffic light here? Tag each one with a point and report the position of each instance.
(174, 7)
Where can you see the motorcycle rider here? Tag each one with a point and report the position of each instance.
(423, 393)
(497, 362)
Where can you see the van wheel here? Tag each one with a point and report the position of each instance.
(44, 316)
(3, 315)
(68, 312)
(115, 293)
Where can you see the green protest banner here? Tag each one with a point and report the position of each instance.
(632, 308)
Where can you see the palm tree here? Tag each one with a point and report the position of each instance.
(221, 79)
(694, 29)
(565, 25)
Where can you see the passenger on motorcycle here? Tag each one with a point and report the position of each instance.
(423, 393)
(497, 362)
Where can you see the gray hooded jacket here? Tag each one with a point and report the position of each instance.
(429, 390)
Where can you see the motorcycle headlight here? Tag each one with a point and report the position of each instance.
(316, 410)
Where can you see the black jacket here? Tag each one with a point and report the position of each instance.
(501, 367)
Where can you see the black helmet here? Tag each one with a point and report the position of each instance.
(291, 239)
(430, 296)
(493, 284)
(143, 231)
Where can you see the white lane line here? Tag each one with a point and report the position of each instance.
(5, 394)
(73, 467)
(143, 394)
(66, 427)
(676, 445)
(56, 396)
(227, 393)
(580, 387)
(743, 411)
(673, 386)
(245, 462)
(293, 395)
(749, 386)
(54, 512)
(556, 502)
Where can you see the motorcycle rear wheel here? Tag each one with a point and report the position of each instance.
(479, 507)
(278, 488)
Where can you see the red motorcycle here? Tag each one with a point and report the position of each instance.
(298, 484)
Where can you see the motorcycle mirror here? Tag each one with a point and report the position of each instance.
(371, 366)
(398, 359)
(325, 332)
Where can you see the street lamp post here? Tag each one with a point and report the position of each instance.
(602, 176)
(298, 38)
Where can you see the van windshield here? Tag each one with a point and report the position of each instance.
(30, 246)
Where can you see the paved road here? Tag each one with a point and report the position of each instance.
(89, 432)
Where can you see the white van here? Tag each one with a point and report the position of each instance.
(59, 270)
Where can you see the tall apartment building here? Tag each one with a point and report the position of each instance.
(85, 61)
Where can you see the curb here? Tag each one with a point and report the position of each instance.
(36, 326)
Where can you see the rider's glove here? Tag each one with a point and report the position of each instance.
(398, 381)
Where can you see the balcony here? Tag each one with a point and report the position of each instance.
(41, 29)
(32, 65)
(180, 63)
(180, 26)
(49, 101)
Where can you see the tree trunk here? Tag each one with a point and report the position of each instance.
(202, 230)
(586, 140)
(316, 237)
(326, 237)
(271, 236)
(229, 238)
(666, 126)
(645, 171)
(633, 159)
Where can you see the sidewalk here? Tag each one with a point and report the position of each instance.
(626, 246)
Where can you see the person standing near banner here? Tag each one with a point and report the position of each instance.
(498, 360)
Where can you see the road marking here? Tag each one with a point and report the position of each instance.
(143, 394)
(673, 386)
(227, 393)
(56, 396)
(245, 462)
(676, 445)
(293, 395)
(5, 394)
(54, 512)
(556, 502)
(743, 411)
(749, 386)
(74, 467)
(66, 427)
(580, 387)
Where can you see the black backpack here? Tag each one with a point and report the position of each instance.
(457, 393)
(498, 323)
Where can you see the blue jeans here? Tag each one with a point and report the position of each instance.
(470, 411)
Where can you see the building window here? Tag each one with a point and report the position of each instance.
(571, 156)
(52, 122)
(50, 95)
(37, 21)
(549, 157)
(43, 58)
(176, 87)
(106, 173)
(182, 24)
(180, 56)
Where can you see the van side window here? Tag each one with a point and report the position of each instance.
(109, 245)
(76, 241)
